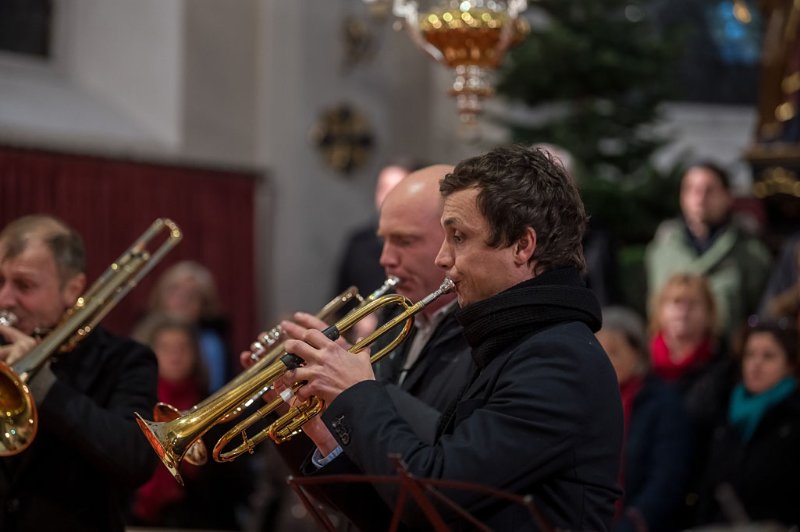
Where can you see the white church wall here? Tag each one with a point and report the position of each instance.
(130, 54)
(300, 75)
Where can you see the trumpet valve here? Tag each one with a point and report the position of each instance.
(265, 342)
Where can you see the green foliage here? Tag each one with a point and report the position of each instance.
(603, 68)
(633, 208)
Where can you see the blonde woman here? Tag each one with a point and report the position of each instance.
(187, 292)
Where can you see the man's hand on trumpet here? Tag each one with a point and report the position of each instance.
(329, 369)
(308, 321)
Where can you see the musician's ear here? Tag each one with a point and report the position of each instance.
(524, 247)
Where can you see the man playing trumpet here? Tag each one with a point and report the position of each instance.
(540, 415)
(433, 362)
(425, 373)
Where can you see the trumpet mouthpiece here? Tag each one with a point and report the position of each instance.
(7, 318)
(447, 286)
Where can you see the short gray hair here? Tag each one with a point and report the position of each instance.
(626, 321)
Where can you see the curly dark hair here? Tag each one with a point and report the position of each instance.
(521, 187)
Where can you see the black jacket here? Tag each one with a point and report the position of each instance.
(763, 472)
(435, 379)
(656, 458)
(89, 454)
(541, 417)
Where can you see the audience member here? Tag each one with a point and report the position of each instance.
(186, 291)
(754, 462)
(89, 455)
(182, 384)
(687, 352)
(708, 240)
(656, 449)
(686, 347)
(215, 495)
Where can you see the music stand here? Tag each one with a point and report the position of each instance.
(423, 491)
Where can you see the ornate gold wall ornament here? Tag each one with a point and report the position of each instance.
(344, 137)
(776, 180)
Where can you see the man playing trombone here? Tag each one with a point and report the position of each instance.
(88, 454)
(541, 413)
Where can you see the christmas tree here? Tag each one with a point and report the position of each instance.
(600, 69)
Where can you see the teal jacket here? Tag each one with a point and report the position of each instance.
(737, 266)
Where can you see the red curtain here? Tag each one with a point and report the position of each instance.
(111, 202)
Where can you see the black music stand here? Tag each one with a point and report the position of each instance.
(422, 491)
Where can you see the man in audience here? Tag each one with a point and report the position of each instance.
(541, 413)
(89, 454)
(708, 240)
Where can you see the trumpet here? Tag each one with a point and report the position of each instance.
(268, 347)
(18, 415)
(7, 318)
(171, 440)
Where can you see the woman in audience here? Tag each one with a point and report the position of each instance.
(215, 495)
(187, 291)
(656, 451)
(181, 383)
(688, 353)
(686, 348)
(755, 464)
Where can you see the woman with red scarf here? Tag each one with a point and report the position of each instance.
(655, 457)
(688, 353)
(181, 383)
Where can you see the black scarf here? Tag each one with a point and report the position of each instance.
(553, 297)
(493, 325)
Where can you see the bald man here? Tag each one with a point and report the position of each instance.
(434, 362)
(426, 372)
(358, 265)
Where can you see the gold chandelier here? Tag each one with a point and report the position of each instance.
(470, 37)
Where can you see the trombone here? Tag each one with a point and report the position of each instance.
(18, 416)
(263, 351)
(171, 440)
